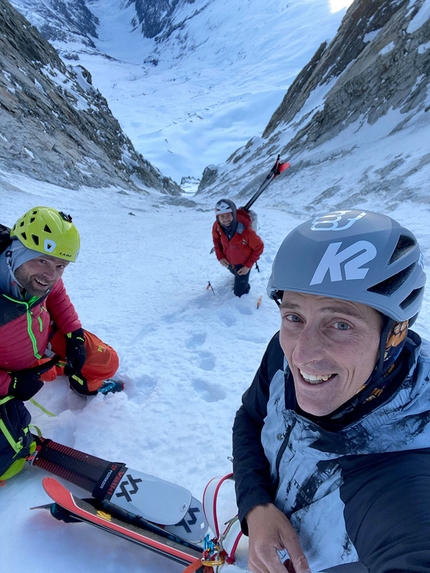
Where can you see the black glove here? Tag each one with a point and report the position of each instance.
(25, 384)
(75, 352)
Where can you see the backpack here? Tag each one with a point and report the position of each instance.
(5, 239)
(251, 216)
(254, 220)
(16, 441)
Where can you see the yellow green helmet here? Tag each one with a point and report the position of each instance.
(48, 231)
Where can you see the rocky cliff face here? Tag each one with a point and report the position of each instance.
(72, 20)
(376, 63)
(374, 73)
(54, 126)
(64, 20)
(379, 62)
(153, 16)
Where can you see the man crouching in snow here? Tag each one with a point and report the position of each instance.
(41, 335)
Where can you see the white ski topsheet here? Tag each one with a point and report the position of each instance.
(152, 498)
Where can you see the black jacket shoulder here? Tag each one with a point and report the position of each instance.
(387, 498)
(250, 466)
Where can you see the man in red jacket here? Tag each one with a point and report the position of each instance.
(41, 335)
(237, 245)
(37, 319)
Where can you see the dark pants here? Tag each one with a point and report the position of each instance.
(241, 282)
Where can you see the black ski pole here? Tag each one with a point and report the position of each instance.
(276, 170)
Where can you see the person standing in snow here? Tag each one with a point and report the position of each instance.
(331, 444)
(237, 245)
(41, 335)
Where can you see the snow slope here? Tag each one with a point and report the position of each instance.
(187, 355)
(218, 79)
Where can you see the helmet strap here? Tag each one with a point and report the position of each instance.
(393, 338)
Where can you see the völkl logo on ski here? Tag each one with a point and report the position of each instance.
(132, 483)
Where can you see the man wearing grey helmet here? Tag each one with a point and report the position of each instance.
(331, 443)
(237, 246)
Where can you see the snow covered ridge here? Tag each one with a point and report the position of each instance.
(368, 84)
(55, 126)
(192, 96)
(205, 83)
(67, 20)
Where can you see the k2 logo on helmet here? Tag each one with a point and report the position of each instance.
(351, 259)
(336, 221)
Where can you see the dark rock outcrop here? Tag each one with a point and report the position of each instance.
(54, 125)
(154, 16)
(377, 65)
(69, 20)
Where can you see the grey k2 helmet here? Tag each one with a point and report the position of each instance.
(359, 256)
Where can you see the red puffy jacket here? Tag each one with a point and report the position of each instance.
(244, 248)
(25, 328)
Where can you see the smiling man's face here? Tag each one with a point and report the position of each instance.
(39, 275)
(225, 219)
(331, 346)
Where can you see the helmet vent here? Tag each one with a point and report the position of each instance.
(416, 293)
(392, 284)
(404, 245)
(46, 230)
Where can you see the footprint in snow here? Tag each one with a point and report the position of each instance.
(209, 392)
(196, 340)
(227, 317)
(206, 361)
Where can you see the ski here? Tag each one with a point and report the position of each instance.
(70, 508)
(276, 170)
(127, 490)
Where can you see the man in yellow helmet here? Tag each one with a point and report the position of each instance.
(41, 335)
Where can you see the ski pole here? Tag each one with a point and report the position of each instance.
(276, 170)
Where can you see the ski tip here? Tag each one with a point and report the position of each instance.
(259, 301)
(47, 481)
(50, 484)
